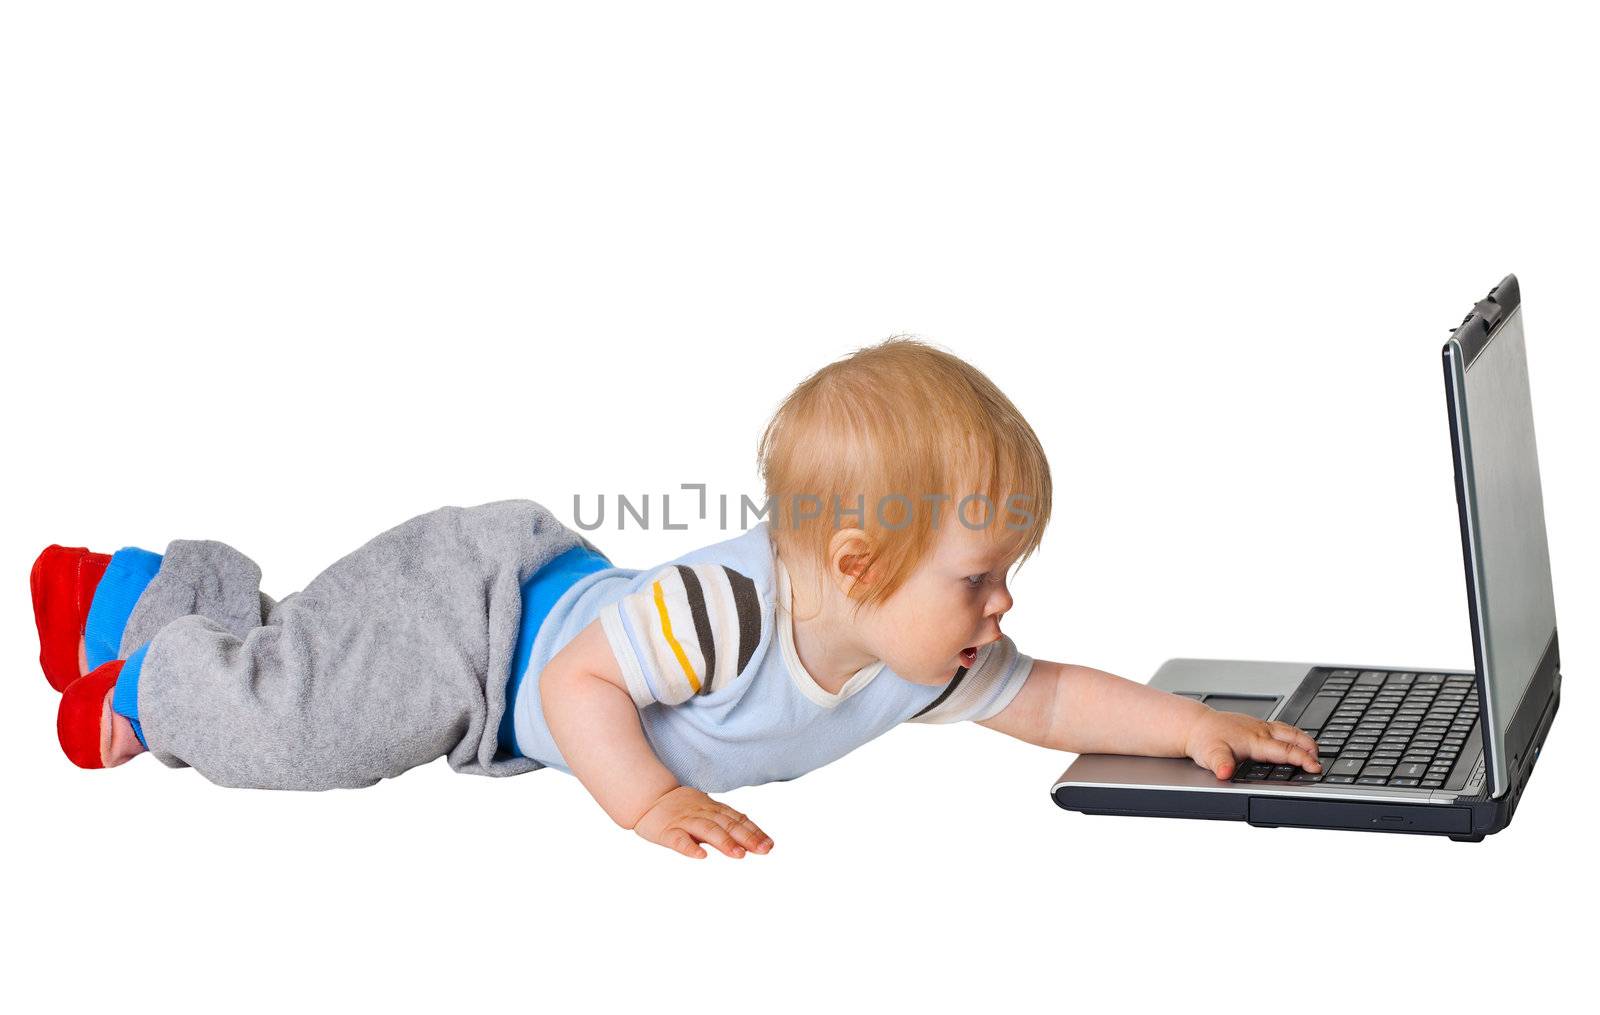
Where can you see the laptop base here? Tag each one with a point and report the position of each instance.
(1178, 788)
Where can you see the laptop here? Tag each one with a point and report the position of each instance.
(1403, 749)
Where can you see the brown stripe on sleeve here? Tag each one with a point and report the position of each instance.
(749, 607)
(702, 623)
(949, 689)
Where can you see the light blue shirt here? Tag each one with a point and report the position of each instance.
(706, 643)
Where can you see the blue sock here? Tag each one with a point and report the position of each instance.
(125, 696)
(125, 578)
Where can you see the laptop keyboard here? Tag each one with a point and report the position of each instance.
(1377, 728)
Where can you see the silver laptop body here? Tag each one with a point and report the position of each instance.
(1511, 609)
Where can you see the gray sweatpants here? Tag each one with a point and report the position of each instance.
(397, 654)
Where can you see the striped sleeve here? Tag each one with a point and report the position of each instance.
(688, 630)
(984, 690)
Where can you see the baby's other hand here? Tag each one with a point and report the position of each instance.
(685, 817)
(1218, 740)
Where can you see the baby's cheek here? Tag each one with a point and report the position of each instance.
(893, 635)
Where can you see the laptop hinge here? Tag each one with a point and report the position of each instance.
(1490, 311)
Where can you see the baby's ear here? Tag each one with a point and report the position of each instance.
(850, 558)
(857, 566)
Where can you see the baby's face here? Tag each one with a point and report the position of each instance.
(948, 608)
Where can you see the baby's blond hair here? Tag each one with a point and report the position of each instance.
(888, 430)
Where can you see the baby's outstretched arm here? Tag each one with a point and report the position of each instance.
(596, 725)
(1088, 711)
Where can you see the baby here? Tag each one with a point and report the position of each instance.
(903, 487)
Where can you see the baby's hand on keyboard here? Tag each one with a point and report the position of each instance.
(1218, 740)
(684, 817)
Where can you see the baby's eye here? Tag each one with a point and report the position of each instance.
(975, 580)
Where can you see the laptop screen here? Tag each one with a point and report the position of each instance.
(1517, 607)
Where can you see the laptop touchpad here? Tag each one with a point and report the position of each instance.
(1258, 707)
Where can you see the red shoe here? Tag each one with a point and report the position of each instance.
(63, 582)
(83, 722)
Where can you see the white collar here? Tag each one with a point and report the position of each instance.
(791, 658)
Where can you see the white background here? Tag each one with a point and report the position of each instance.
(285, 276)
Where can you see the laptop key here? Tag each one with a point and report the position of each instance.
(1338, 778)
(1378, 770)
(1316, 713)
(1403, 782)
(1347, 766)
(1371, 780)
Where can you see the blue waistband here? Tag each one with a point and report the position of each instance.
(539, 594)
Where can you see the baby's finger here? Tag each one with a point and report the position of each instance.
(713, 834)
(1218, 758)
(683, 842)
(745, 830)
(1278, 752)
(1292, 735)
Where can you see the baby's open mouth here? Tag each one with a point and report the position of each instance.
(969, 655)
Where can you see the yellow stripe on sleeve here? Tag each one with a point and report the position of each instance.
(677, 650)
